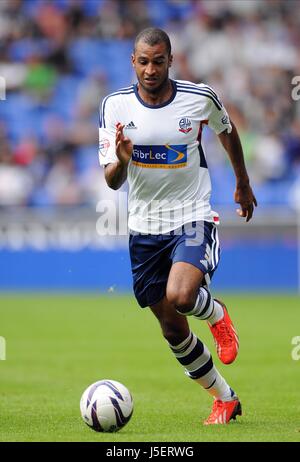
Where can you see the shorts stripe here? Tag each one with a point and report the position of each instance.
(213, 262)
(215, 248)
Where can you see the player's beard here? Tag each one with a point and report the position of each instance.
(156, 90)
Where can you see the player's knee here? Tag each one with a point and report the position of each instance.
(183, 299)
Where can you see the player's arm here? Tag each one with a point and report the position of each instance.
(116, 172)
(243, 193)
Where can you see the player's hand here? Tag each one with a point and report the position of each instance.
(244, 196)
(124, 146)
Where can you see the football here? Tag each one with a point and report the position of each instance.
(106, 406)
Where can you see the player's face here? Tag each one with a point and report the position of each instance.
(151, 64)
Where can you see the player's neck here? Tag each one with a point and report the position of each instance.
(160, 97)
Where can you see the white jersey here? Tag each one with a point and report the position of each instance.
(169, 183)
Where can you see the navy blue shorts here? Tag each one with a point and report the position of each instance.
(153, 255)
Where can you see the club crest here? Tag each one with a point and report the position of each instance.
(185, 125)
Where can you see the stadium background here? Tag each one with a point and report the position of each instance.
(58, 59)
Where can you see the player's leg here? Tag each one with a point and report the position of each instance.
(151, 264)
(191, 270)
(197, 361)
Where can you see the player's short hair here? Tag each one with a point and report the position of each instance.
(153, 36)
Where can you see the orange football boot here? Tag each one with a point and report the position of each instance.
(223, 411)
(225, 337)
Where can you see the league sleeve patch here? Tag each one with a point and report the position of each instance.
(104, 144)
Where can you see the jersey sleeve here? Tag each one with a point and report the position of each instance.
(218, 118)
(107, 133)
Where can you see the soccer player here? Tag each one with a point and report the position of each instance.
(150, 134)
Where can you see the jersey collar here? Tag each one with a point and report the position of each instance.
(157, 106)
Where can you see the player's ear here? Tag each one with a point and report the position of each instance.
(133, 60)
(170, 60)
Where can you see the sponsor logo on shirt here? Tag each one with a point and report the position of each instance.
(103, 146)
(160, 156)
(185, 125)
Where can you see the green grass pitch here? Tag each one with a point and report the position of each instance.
(58, 345)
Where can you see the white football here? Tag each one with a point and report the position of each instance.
(106, 406)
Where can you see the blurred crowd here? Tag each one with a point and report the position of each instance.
(59, 58)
